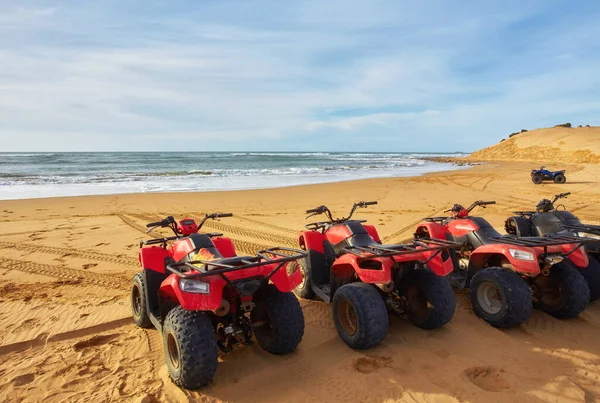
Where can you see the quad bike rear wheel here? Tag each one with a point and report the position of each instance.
(537, 179)
(591, 274)
(304, 289)
(430, 299)
(500, 297)
(281, 319)
(360, 315)
(190, 347)
(139, 309)
(560, 178)
(564, 293)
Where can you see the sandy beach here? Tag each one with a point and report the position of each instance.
(66, 332)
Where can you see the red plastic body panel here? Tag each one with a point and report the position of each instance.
(225, 246)
(373, 232)
(527, 267)
(337, 234)
(460, 227)
(153, 258)
(579, 257)
(209, 302)
(187, 226)
(312, 240)
(180, 248)
(433, 230)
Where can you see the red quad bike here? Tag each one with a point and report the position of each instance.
(202, 297)
(347, 265)
(551, 219)
(507, 275)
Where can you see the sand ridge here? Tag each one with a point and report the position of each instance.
(66, 332)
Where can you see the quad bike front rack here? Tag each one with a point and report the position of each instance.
(417, 246)
(544, 241)
(593, 229)
(277, 255)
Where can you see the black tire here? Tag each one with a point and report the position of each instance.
(304, 290)
(139, 305)
(560, 178)
(537, 179)
(284, 321)
(190, 347)
(564, 293)
(513, 304)
(360, 315)
(431, 301)
(591, 274)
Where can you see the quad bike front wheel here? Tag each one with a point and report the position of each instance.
(563, 294)
(560, 178)
(139, 308)
(360, 315)
(280, 320)
(304, 289)
(591, 274)
(500, 297)
(537, 179)
(430, 299)
(190, 347)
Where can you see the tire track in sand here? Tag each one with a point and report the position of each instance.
(81, 253)
(113, 281)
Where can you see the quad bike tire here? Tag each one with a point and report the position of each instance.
(304, 289)
(564, 293)
(537, 179)
(139, 308)
(591, 274)
(284, 321)
(500, 297)
(360, 315)
(190, 346)
(560, 178)
(431, 301)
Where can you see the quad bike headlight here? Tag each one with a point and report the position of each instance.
(194, 286)
(521, 254)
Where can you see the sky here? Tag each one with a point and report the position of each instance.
(303, 75)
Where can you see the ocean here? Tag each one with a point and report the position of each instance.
(33, 175)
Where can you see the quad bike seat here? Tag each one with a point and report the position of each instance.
(483, 236)
(359, 237)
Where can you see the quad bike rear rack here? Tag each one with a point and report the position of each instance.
(594, 229)
(191, 270)
(544, 241)
(524, 213)
(417, 246)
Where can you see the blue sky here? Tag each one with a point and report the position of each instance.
(294, 75)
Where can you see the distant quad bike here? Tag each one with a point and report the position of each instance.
(550, 219)
(347, 265)
(507, 275)
(542, 174)
(202, 297)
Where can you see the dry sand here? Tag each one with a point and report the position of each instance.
(66, 332)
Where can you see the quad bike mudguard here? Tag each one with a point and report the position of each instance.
(153, 258)
(482, 254)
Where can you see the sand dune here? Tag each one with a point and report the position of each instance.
(66, 334)
(557, 144)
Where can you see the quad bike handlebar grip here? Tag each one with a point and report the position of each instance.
(225, 215)
(313, 210)
(369, 203)
(488, 202)
(154, 224)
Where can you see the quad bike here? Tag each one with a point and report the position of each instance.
(348, 265)
(507, 275)
(542, 174)
(201, 296)
(548, 219)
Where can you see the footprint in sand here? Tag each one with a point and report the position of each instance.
(366, 365)
(23, 379)
(487, 378)
(88, 266)
(95, 341)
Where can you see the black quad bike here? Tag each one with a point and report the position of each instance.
(548, 219)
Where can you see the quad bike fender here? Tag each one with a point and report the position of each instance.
(170, 290)
(285, 281)
(225, 246)
(153, 258)
(442, 264)
(484, 253)
(368, 270)
(311, 240)
(579, 257)
(431, 230)
(371, 230)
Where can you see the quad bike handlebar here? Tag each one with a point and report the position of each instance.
(457, 207)
(325, 210)
(172, 224)
(560, 196)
